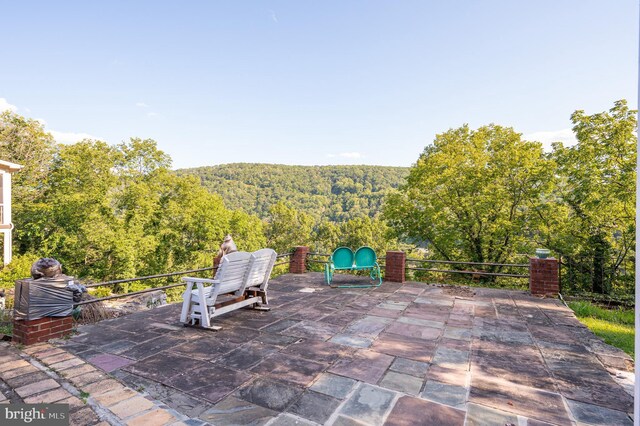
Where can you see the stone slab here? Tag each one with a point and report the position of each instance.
(347, 421)
(411, 330)
(401, 382)
(109, 362)
(448, 375)
(286, 419)
(150, 347)
(366, 366)
(314, 406)
(445, 393)
(246, 356)
(410, 411)
(205, 348)
(318, 351)
(351, 340)
(517, 399)
(451, 358)
(409, 366)
(421, 322)
(332, 385)
(233, 411)
(597, 415)
(162, 367)
(313, 330)
(479, 415)
(209, 382)
(403, 346)
(289, 368)
(368, 404)
(271, 394)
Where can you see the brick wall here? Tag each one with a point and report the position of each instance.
(298, 258)
(544, 276)
(394, 266)
(28, 332)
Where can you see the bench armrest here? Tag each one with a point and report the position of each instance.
(199, 280)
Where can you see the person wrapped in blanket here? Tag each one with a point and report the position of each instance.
(227, 246)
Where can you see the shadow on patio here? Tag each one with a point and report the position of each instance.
(398, 354)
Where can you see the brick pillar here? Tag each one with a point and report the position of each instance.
(297, 264)
(28, 332)
(394, 266)
(544, 276)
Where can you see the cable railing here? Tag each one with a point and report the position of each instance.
(152, 277)
(468, 272)
(148, 277)
(312, 258)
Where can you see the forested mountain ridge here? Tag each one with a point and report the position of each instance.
(334, 193)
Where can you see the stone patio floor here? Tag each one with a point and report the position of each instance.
(400, 354)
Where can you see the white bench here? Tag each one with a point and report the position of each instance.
(242, 276)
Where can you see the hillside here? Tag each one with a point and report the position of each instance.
(335, 193)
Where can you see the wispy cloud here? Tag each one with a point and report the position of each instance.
(565, 136)
(142, 105)
(273, 15)
(70, 137)
(152, 114)
(5, 105)
(346, 155)
(60, 137)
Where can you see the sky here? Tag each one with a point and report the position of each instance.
(313, 82)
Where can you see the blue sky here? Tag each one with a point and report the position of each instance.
(313, 82)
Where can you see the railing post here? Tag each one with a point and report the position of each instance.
(394, 266)
(544, 276)
(297, 262)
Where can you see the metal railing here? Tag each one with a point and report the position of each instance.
(151, 277)
(469, 272)
(598, 274)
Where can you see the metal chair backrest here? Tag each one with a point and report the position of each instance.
(365, 257)
(342, 257)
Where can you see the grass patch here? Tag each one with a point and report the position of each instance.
(614, 326)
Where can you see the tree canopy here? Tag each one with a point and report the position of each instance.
(484, 195)
(326, 193)
(473, 195)
(595, 218)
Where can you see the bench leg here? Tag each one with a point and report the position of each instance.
(186, 304)
(204, 309)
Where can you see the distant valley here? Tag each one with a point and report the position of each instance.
(334, 193)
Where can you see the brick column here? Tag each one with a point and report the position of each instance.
(297, 263)
(28, 332)
(544, 276)
(394, 266)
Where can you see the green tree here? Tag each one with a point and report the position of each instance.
(24, 141)
(287, 227)
(597, 189)
(247, 231)
(354, 233)
(473, 195)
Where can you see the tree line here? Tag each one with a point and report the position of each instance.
(326, 193)
(119, 211)
(484, 195)
(487, 195)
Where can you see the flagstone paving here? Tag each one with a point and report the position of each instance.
(400, 354)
